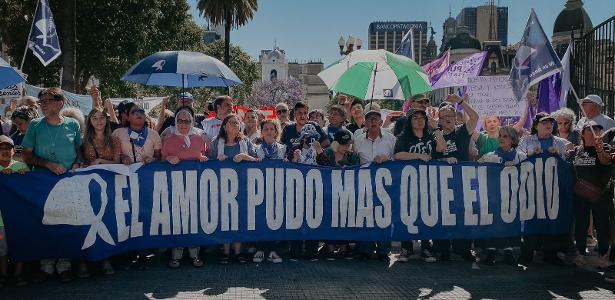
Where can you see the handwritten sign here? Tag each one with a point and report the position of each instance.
(493, 96)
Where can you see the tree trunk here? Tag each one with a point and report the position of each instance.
(227, 44)
(68, 14)
(227, 38)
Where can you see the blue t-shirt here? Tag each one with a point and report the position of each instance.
(506, 155)
(55, 143)
(545, 144)
(231, 151)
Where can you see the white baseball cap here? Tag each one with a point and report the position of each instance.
(592, 98)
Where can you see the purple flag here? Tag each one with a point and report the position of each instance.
(549, 93)
(530, 117)
(435, 68)
(457, 74)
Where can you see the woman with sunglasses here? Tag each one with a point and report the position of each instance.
(282, 113)
(186, 144)
(508, 155)
(138, 142)
(565, 119)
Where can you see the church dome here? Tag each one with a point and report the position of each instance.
(463, 40)
(573, 17)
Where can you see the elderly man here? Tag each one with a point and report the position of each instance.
(592, 105)
(374, 144)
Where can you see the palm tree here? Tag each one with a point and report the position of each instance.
(230, 13)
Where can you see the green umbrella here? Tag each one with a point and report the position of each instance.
(376, 74)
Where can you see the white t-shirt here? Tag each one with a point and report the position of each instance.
(601, 119)
(211, 126)
(368, 149)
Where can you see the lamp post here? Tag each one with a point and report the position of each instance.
(350, 43)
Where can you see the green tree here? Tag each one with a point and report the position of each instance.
(111, 37)
(241, 64)
(230, 13)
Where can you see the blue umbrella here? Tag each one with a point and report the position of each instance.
(181, 69)
(8, 75)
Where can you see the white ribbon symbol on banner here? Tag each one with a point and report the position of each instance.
(69, 203)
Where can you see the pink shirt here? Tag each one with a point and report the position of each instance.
(175, 146)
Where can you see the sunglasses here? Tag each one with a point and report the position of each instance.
(282, 111)
(137, 112)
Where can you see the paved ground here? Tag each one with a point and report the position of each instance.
(330, 280)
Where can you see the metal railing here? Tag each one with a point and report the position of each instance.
(593, 65)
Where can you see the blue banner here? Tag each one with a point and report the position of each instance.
(96, 214)
(535, 59)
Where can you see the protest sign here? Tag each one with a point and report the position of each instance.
(493, 96)
(97, 213)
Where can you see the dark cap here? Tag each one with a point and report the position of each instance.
(343, 137)
(542, 117)
(372, 112)
(592, 123)
(6, 140)
(414, 111)
(419, 97)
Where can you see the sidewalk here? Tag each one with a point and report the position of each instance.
(330, 280)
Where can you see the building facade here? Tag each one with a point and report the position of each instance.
(485, 22)
(274, 65)
(388, 36)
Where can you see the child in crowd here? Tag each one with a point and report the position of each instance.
(9, 166)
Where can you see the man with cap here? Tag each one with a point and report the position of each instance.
(592, 105)
(374, 144)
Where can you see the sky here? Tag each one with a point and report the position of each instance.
(309, 30)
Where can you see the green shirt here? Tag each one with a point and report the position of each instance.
(15, 166)
(349, 159)
(55, 143)
(486, 144)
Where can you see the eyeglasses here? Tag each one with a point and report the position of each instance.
(49, 100)
(281, 111)
(183, 122)
(137, 112)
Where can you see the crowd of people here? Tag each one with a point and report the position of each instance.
(349, 133)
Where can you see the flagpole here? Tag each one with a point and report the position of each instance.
(23, 59)
(574, 92)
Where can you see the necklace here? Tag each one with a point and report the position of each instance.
(52, 152)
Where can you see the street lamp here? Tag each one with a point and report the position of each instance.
(349, 43)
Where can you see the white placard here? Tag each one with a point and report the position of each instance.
(493, 96)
